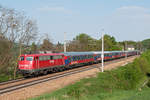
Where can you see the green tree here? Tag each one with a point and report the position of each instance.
(110, 43)
(146, 44)
(85, 42)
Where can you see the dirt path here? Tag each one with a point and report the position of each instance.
(47, 87)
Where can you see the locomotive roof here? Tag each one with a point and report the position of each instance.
(43, 54)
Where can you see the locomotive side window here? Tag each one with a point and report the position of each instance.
(57, 57)
(47, 58)
(43, 58)
(21, 58)
(40, 58)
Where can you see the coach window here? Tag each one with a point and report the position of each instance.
(90, 56)
(75, 58)
(79, 58)
(99, 56)
(84, 57)
(71, 59)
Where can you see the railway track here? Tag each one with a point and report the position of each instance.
(11, 81)
(22, 83)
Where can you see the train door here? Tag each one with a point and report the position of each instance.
(51, 61)
(37, 62)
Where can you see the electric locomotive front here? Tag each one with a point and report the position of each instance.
(26, 64)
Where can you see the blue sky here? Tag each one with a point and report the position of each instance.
(124, 19)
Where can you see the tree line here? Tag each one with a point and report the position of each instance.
(83, 42)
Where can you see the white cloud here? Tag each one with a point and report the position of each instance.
(53, 9)
(133, 11)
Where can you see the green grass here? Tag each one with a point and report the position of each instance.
(119, 84)
(4, 77)
(115, 95)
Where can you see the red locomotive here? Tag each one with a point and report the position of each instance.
(35, 64)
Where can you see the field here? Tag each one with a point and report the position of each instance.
(117, 95)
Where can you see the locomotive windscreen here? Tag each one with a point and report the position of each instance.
(29, 58)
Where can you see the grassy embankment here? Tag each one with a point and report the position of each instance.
(124, 83)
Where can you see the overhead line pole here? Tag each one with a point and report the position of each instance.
(64, 41)
(102, 55)
(126, 50)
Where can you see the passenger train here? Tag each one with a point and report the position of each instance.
(35, 64)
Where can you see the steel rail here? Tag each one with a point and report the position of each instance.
(11, 81)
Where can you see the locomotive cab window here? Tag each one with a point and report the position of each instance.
(29, 58)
